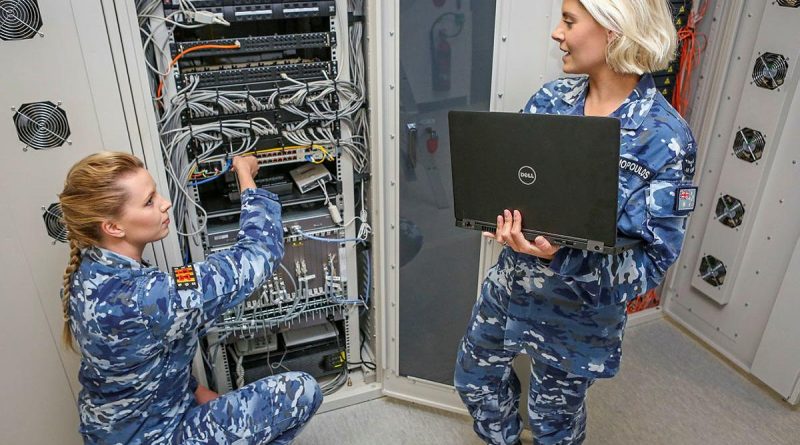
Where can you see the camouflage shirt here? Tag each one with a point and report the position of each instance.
(572, 313)
(137, 328)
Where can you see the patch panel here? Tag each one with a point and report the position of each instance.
(259, 76)
(257, 11)
(258, 44)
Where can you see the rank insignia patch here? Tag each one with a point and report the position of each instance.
(689, 163)
(185, 277)
(685, 199)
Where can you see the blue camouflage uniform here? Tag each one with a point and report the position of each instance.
(568, 314)
(138, 333)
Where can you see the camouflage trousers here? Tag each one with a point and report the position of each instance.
(488, 386)
(272, 410)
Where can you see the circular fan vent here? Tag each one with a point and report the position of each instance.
(712, 270)
(19, 19)
(54, 223)
(749, 145)
(730, 211)
(770, 70)
(789, 3)
(42, 125)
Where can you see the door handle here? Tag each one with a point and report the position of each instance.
(411, 130)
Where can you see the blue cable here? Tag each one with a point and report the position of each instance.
(186, 252)
(329, 294)
(207, 180)
(365, 301)
(327, 240)
(369, 279)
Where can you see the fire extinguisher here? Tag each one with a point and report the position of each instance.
(441, 54)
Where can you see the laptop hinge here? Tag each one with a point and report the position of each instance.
(596, 246)
(468, 223)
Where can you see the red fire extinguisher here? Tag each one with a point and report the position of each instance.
(441, 53)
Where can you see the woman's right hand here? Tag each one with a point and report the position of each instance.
(246, 168)
(509, 233)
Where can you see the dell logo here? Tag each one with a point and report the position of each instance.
(527, 175)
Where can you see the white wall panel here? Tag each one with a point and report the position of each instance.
(733, 317)
(72, 64)
(525, 56)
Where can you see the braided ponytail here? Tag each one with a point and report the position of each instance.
(72, 266)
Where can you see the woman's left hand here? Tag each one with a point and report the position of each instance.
(509, 232)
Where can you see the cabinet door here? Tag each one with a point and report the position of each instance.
(445, 63)
(447, 55)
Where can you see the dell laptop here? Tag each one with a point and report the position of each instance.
(560, 172)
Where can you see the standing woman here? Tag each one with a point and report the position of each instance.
(564, 307)
(137, 330)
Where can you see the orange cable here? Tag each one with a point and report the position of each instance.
(689, 54)
(187, 51)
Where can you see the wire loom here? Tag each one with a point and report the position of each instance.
(690, 51)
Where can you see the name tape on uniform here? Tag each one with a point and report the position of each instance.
(636, 168)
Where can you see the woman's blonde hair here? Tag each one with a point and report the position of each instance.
(645, 33)
(91, 195)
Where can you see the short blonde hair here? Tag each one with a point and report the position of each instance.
(646, 38)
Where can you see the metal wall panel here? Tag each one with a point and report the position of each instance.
(52, 67)
(49, 68)
(76, 62)
(732, 317)
(764, 110)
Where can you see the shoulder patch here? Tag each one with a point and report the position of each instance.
(185, 278)
(689, 162)
(685, 199)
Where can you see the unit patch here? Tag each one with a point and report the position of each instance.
(185, 277)
(685, 199)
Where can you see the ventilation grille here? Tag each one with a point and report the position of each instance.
(54, 223)
(19, 19)
(770, 70)
(42, 125)
(712, 271)
(730, 211)
(749, 145)
(789, 3)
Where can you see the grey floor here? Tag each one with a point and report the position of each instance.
(670, 391)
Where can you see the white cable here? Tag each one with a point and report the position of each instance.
(239, 371)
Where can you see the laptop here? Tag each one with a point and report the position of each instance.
(560, 172)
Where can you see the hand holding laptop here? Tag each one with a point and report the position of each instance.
(509, 232)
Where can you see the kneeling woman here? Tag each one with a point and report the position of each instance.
(137, 331)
